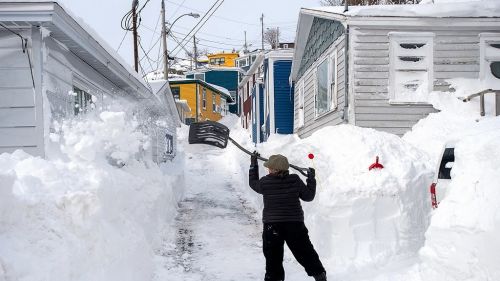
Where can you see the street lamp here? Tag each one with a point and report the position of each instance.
(164, 35)
(194, 15)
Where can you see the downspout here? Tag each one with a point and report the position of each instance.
(346, 67)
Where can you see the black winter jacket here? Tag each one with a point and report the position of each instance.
(282, 194)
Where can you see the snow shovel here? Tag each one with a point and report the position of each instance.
(216, 134)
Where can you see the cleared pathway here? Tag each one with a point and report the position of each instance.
(218, 234)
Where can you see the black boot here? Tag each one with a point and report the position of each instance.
(320, 277)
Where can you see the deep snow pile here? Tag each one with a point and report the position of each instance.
(378, 225)
(461, 242)
(92, 211)
(360, 219)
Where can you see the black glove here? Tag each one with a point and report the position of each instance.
(311, 173)
(254, 158)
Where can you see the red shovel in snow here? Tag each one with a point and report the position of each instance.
(375, 165)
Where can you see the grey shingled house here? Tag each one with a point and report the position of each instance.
(373, 66)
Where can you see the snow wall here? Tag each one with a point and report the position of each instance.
(378, 225)
(462, 239)
(360, 219)
(94, 210)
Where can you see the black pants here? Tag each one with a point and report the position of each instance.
(295, 234)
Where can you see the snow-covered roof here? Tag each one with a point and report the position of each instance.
(208, 68)
(78, 37)
(221, 90)
(255, 65)
(464, 13)
(486, 8)
(184, 105)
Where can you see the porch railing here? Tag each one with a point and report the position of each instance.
(481, 100)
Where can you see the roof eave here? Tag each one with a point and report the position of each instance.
(53, 17)
(306, 17)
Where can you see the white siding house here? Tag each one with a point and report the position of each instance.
(46, 54)
(373, 66)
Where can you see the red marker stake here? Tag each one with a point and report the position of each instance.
(311, 156)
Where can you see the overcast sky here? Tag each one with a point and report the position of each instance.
(224, 31)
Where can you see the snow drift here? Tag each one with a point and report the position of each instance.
(461, 240)
(360, 219)
(92, 211)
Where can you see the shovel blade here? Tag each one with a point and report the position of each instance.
(210, 133)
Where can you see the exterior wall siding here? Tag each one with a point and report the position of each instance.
(188, 92)
(228, 80)
(311, 122)
(19, 123)
(323, 33)
(283, 97)
(456, 55)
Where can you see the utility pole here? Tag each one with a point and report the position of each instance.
(262, 23)
(195, 52)
(135, 3)
(164, 38)
(277, 37)
(246, 46)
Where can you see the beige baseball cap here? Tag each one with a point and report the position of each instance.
(277, 162)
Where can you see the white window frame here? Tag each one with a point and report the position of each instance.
(488, 55)
(396, 52)
(316, 88)
(300, 106)
(332, 82)
(198, 75)
(214, 103)
(333, 75)
(204, 98)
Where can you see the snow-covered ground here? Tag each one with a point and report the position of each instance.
(96, 209)
(92, 211)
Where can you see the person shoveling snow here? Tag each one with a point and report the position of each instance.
(283, 216)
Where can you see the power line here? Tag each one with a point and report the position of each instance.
(195, 29)
(201, 39)
(202, 21)
(224, 18)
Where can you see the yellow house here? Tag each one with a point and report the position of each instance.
(223, 59)
(207, 101)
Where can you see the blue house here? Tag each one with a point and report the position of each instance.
(226, 77)
(278, 104)
(266, 95)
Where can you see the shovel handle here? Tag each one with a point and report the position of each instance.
(301, 170)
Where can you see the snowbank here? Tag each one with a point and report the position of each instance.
(378, 225)
(461, 241)
(360, 219)
(92, 211)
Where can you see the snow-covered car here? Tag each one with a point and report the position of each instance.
(442, 176)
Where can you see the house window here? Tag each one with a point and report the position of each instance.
(490, 59)
(214, 104)
(169, 144)
(411, 66)
(300, 105)
(495, 69)
(322, 88)
(83, 101)
(199, 76)
(217, 61)
(204, 98)
(176, 92)
(223, 107)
